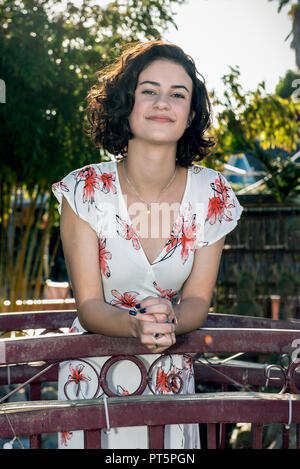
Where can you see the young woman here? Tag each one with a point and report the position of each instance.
(143, 234)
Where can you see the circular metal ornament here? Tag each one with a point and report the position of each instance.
(110, 362)
(72, 380)
(169, 379)
(291, 377)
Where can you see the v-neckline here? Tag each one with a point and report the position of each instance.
(130, 222)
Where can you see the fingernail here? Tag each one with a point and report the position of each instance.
(143, 310)
(156, 334)
(132, 312)
(138, 305)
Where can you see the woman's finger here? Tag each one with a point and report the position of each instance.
(161, 344)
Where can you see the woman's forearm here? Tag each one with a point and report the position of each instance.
(102, 318)
(191, 313)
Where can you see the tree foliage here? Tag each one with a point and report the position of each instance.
(50, 52)
(282, 3)
(289, 85)
(254, 122)
(48, 61)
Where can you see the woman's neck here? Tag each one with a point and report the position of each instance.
(150, 168)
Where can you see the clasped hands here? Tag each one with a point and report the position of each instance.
(155, 323)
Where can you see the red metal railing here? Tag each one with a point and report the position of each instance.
(55, 319)
(154, 411)
(222, 334)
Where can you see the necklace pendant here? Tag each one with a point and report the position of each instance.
(147, 211)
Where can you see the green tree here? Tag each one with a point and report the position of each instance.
(294, 13)
(50, 53)
(289, 85)
(254, 122)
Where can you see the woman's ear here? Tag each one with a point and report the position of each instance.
(190, 119)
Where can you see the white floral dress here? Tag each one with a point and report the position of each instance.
(209, 210)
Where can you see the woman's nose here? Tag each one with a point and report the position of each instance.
(161, 102)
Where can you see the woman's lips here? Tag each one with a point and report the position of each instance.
(160, 119)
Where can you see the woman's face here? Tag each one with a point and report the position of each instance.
(162, 103)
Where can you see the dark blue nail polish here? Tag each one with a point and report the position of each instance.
(138, 305)
(156, 335)
(143, 310)
(132, 312)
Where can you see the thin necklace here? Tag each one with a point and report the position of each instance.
(163, 190)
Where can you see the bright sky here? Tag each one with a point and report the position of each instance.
(248, 33)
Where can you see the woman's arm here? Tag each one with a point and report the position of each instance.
(197, 292)
(81, 251)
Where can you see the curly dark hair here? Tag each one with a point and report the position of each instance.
(111, 101)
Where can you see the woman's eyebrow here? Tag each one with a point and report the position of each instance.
(155, 83)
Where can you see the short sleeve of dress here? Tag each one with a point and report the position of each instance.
(223, 209)
(80, 189)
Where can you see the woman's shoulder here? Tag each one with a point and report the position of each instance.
(204, 176)
(203, 171)
(87, 179)
(208, 182)
(102, 167)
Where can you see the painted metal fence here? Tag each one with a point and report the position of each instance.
(32, 360)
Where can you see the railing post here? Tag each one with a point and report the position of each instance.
(211, 436)
(222, 426)
(156, 434)
(35, 441)
(285, 437)
(35, 391)
(92, 439)
(298, 436)
(257, 429)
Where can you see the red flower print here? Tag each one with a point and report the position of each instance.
(171, 243)
(73, 328)
(127, 300)
(174, 381)
(183, 233)
(107, 179)
(65, 436)
(219, 204)
(77, 376)
(90, 183)
(167, 382)
(165, 293)
(162, 384)
(122, 391)
(76, 373)
(60, 185)
(127, 232)
(188, 362)
(174, 238)
(188, 237)
(103, 257)
(197, 169)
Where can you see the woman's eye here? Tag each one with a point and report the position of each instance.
(175, 95)
(179, 95)
(148, 92)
